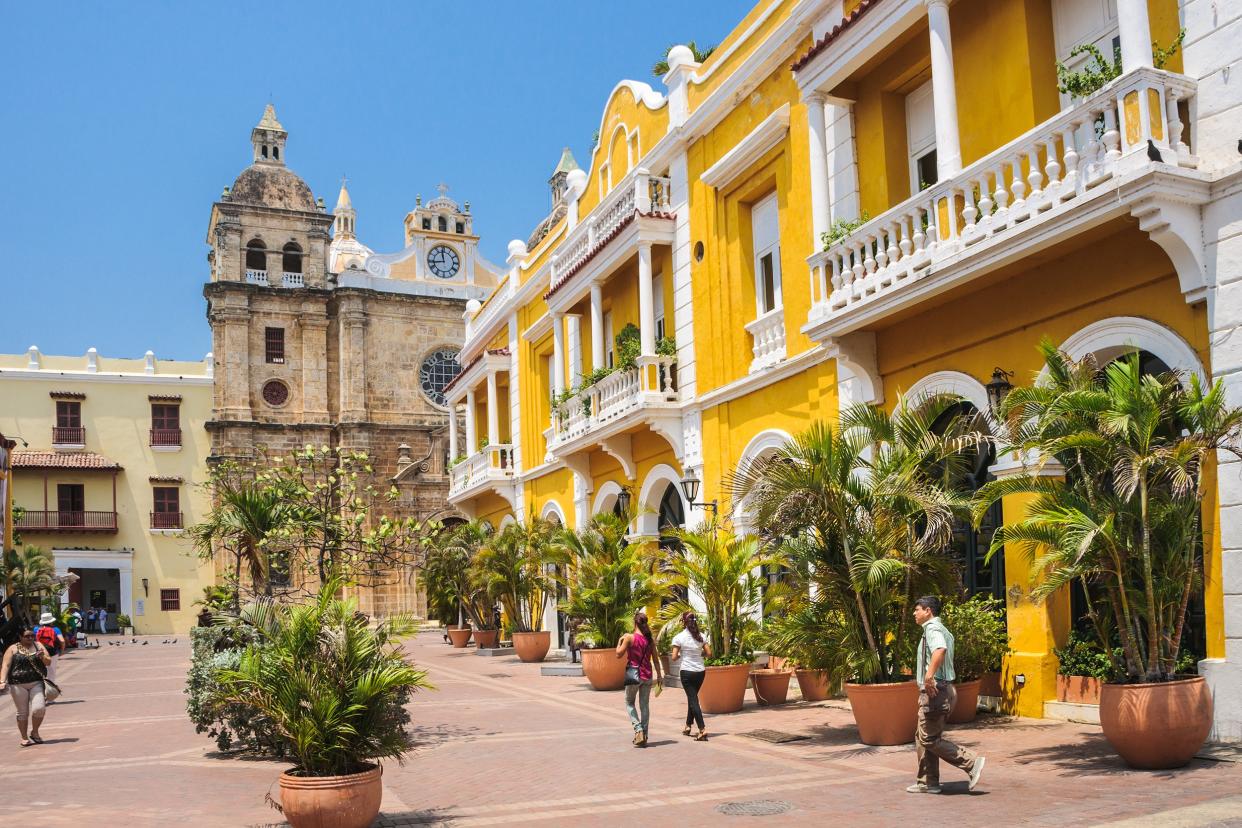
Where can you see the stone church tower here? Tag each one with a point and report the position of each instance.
(319, 340)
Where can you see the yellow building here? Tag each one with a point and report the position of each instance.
(109, 472)
(850, 202)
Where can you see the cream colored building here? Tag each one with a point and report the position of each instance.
(108, 467)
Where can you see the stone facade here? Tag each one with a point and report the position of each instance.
(307, 356)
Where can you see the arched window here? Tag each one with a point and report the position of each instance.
(265, 150)
(256, 255)
(442, 224)
(292, 258)
(276, 153)
(672, 516)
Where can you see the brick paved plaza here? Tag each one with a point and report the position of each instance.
(499, 744)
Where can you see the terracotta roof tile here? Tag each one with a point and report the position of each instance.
(823, 42)
(82, 460)
(601, 244)
(67, 395)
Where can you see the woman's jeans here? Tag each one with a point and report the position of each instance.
(691, 682)
(643, 693)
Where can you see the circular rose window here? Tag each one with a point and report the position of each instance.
(275, 392)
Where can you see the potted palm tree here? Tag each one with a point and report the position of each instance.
(980, 641)
(449, 575)
(721, 569)
(516, 568)
(1125, 518)
(866, 510)
(334, 688)
(797, 634)
(609, 580)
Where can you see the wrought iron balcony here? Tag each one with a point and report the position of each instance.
(66, 521)
(166, 437)
(68, 436)
(166, 520)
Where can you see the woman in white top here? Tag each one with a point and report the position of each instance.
(690, 645)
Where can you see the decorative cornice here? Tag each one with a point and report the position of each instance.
(770, 132)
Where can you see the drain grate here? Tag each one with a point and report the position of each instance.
(776, 737)
(755, 807)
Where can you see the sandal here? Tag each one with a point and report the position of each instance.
(701, 737)
(685, 731)
(38, 740)
(26, 743)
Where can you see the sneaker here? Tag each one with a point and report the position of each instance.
(919, 787)
(976, 772)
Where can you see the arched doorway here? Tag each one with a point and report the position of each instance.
(672, 516)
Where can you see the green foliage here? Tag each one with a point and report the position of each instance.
(1100, 71)
(1083, 657)
(799, 634)
(660, 69)
(1124, 524)
(666, 346)
(454, 589)
(629, 347)
(31, 573)
(609, 580)
(217, 598)
(123, 621)
(513, 568)
(231, 725)
(593, 376)
(841, 229)
(980, 639)
(332, 687)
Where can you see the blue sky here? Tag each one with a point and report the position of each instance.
(122, 122)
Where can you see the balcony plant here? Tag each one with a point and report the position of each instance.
(842, 229)
(1126, 519)
(515, 568)
(1099, 72)
(609, 580)
(455, 587)
(721, 569)
(980, 641)
(335, 689)
(865, 512)
(629, 347)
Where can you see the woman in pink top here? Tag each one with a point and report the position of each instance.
(638, 647)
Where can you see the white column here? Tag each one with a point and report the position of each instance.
(944, 93)
(573, 325)
(646, 304)
(842, 162)
(817, 146)
(493, 411)
(558, 353)
(452, 431)
(597, 326)
(471, 446)
(1135, 31)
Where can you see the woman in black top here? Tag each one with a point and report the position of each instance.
(22, 672)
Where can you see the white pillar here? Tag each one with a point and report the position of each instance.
(452, 431)
(471, 446)
(493, 411)
(573, 325)
(944, 93)
(843, 162)
(646, 303)
(817, 146)
(558, 353)
(597, 326)
(1135, 31)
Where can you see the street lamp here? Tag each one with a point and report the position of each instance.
(690, 488)
(623, 500)
(998, 388)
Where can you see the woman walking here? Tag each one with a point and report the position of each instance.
(692, 648)
(22, 672)
(639, 648)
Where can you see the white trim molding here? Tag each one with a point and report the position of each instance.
(951, 382)
(647, 506)
(554, 508)
(605, 497)
(1110, 338)
(770, 132)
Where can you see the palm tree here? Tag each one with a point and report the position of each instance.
(661, 66)
(31, 571)
(448, 572)
(515, 568)
(245, 516)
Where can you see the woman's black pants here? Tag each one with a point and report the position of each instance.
(691, 682)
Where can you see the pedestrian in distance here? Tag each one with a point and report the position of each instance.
(52, 639)
(22, 673)
(936, 697)
(91, 621)
(692, 647)
(638, 646)
(102, 618)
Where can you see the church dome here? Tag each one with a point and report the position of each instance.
(272, 185)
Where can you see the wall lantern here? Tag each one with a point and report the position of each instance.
(690, 488)
(998, 388)
(146, 590)
(623, 500)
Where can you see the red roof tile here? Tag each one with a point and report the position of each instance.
(823, 42)
(601, 244)
(81, 460)
(474, 362)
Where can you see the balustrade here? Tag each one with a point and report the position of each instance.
(616, 395)
(256, 277)
(768, 339)
(489, 463)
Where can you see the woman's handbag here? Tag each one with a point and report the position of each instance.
(51, 690)
(631, 676)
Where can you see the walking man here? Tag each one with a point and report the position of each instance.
(936, 698)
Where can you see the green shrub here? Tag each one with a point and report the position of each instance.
(1084, 657)
(231, 725)
(980, 639)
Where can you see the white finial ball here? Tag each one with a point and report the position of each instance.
(473, 306)
(577, 181)
(679, 55)
(517, 247)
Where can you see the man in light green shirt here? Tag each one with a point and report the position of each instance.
(936, 698)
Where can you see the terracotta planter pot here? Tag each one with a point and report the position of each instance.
(776, 662)
(1157, 726)
(1078, 689)
(991, 685)
(816, 685)
(724, 688)
(460, 636)
(604, 668)
(886, 714)
(486, 638)
(532, 646)
(967, 706)
(332, 801)
(770, 686)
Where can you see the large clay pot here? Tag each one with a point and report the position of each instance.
(816, 685)
(724, 688)
(1078, 689)
(991, 685)
(332, 801)
(460, 636)
(486, 638)
(604, 668)
(532, 646)
(886, 714)
(1159, 725)
(770, 686)
(967, 705)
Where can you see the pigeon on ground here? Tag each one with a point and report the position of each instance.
(134, 640)
(174, 641)
(165, 641)
(145, 643)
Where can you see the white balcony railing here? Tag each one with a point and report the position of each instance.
(1045, 171)
(292, 280)
(638, 192)
(613, 397)
(256, 277)
(489, 464)
(768, 339)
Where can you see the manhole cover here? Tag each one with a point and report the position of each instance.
(755, 807)
(776, 737)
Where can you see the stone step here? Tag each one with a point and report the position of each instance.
(562, 669)
(1070, 712)
(493, 651)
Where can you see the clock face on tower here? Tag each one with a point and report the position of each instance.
(443, 261)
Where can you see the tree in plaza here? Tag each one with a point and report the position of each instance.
(515, 566)
(453, 585)
(31, 574)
